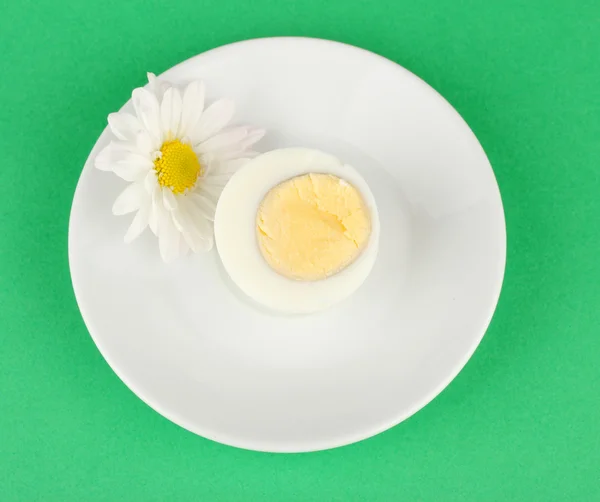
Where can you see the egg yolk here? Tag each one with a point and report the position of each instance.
(312, 226)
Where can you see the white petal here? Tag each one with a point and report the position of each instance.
(194, 228)
(157, 86)
(238, 153)
(192, 106)
(111, 155)
(215, 118)
(230, 144)
(148, 112)
(168, 238)
(197, 243)
(211, 191)
(204, 227)
(106, 158)
(155, 208)
(170, 113)
(228, 167)
(253, 136)
(151, 79)
(129, 199)
(150, 182)
(133, 168)
(169, 200)
(182, 223)
(184, 249)
(208, 162)
(216, 164)
(217, 179)
(144, 143)
(124, 125)
(226, 139)
(139, 223)
(232, 166)
(204, 205)
(206, 245)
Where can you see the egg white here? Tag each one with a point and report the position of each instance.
(237, 244)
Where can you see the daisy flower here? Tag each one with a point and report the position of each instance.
(177, 156)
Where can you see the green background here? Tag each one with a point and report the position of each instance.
(521, 422)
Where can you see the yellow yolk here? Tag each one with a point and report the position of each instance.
(312, 226)
(177, 167)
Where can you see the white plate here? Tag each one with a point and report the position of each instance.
(193, 348)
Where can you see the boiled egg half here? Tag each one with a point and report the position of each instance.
(297, 230)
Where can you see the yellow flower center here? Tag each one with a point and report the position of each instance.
(178, 167)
